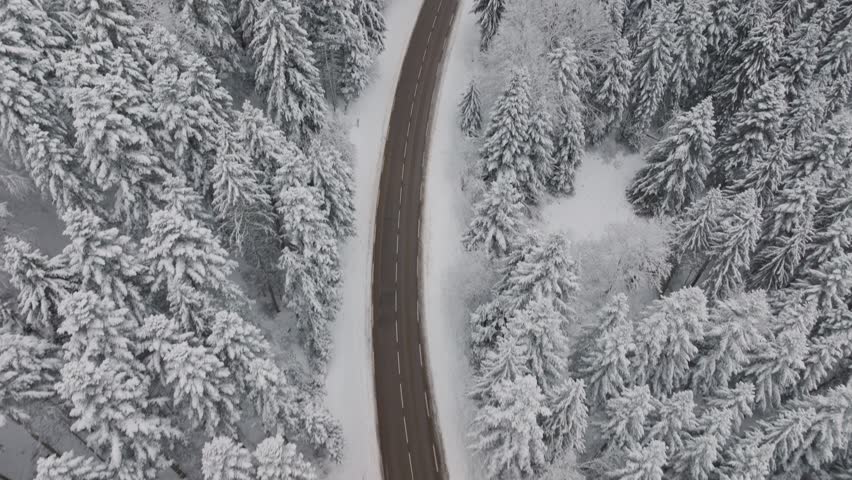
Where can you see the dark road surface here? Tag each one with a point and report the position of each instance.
(408, 438)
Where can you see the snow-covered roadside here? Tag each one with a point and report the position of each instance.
(350, 376)
(450, 275)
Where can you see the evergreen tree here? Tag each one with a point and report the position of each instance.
(265, 144)
(666, 340)
(774, 368)
(109, 22)
(225, 459)
(721, 34)
(626, 416)
(507, 360)
(695, 227)
(673, 419)
(498, 219)
(29, 367)
(506, 431)
(242, 205)
(190, 269)
(372, 19)
(776, 263)
(767, 174)
(331, 172)
(829, 284)
(823, 360)
(278, 460)
(738, 400)
(97, 329)
(826, 151)
(207, 24)
(541, 330)
(737, 327)
(506, 144)
(566, 427)
(286, 73)
(540, 138)
(105, 261)
(470, 112)
(652, 67)
(605, 365)
(798, 60)
(489, 14)
(677, 165)
(568, 152)
(733, 244)
(642, 463)
(69, 466)
(752, 131)
(805, 113)
(42, 284)
(836, 57)
(753, 61)
(692, 23)
(310, 264)
(611, 87)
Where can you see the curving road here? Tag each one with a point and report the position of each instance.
(409, 441)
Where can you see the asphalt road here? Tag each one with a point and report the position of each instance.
(408, 438)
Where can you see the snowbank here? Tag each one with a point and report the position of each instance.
(349, 383)
(450, 275)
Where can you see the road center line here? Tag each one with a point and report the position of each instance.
(402, 176)
(405, 150)
(410, 465)
(416, 86)
(394, 309)
(434, 21)
(408, 130)
(435, 456)
(397, 243)
(396, 329)
(398, 365)
(405, 427)
(420, 73)
(426, 398)
(401, 400)
(420, 349)
(396, 271)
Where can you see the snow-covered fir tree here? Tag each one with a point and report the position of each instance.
(694, 230)
(540, 148)
(692, 23)
(498, 219)
(540, 329)
(507, 359)
(565, 428)
(371, 15)
(42, 284)
(642, 462)
(97, 329)
(225, 459)
(677, 165)
(330, 171)
(69, 466)
(278, 460)
(572, 80)
(286, 72)
(605, 364)
(470, 111)
(625, 417)
(506, 430)
(489, 14)
(610, 88)
(774, 368)
(672, 420)
(29, 367)
(207, 24)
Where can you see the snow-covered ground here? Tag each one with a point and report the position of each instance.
(350, 376)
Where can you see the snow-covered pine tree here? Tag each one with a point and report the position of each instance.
(506, 430)
(278, 460)
(666, 340)
(507, 359)
(652, 67)
(805, 113)
(610, 88)
(310, 264)
(70, 466)
(540, 138)
(835, 58)
(341, 46)
(109, 22)
(738, 400)
(243, 208)
(201, 387)
(737, 327)
(828, 284)
(825, 152)
(207, 25)
(823, 362)
(701, 451)
(605, 365)
(224, 459)
(498, 219)
(677, 165)
(671, 422)
(750, 132)
(691, 55)
(192, 107)
(732, 245)
(775, 367)
(470, 111)
(615, 10)
(370, 14)
(721, 35)
(565, 428)
(489, 14)
(753, 61)
(190, 270)
(105, 261)
(540, 328)
(286, 73)
(695, 228)
(237, 343)
(29, 367)
(568, 150)
(776, 262)
(626, 416)
(642, 462)
(329, 171)
(111, 404)
(97, 330)
(42, 284)
(506, 144)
